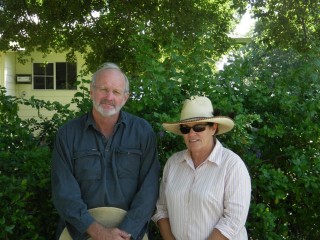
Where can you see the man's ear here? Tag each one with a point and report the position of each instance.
(127, 95)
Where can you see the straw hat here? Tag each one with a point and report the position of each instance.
(107, 216)
(199, 109)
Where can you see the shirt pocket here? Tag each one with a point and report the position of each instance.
(128, 162)
(87, 165)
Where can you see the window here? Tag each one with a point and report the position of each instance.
(59, 75)
(43, 76)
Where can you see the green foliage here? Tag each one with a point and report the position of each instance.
(101, 30)
(25, 158)
(24, 178)
(82, 98)
(282, 88)
(287, 24)
(168, 50)
(274, 95)
(25, 200)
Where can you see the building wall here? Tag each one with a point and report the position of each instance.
(7, 72)
(2, 69)
(26, 90)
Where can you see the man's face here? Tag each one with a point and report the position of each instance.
(109, 93)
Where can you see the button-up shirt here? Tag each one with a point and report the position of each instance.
(216, 194)
(90, 171)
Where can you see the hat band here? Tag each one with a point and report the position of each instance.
(195, 119)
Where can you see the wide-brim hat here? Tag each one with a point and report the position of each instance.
(199, 109)
(107, 216)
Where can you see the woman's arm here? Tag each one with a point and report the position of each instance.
(165, 229)
(217, 235)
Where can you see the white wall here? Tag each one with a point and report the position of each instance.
(2, 69)
(7, 72)
(26, 90)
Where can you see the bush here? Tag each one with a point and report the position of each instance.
(282, 88)
(25, 202)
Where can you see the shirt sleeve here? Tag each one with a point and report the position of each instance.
(66, 193)
(236, 200)
(161, 206)
(143, 204)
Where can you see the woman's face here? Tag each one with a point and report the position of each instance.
(201, 141)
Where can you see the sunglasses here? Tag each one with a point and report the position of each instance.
(197, 128)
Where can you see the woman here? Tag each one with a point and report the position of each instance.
(205, 190)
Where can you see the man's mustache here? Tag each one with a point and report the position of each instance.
(104, 101)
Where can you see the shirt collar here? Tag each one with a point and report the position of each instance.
(214, 157)
(89, 120)
(216, 154)
(123, 118)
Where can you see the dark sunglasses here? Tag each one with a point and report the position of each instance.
(197, 128)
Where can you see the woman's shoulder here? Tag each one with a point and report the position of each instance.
(176, 157)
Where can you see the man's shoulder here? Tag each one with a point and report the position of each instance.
(74, 123)
(134, 119)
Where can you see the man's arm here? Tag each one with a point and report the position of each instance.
(143, 204)
(66, 194)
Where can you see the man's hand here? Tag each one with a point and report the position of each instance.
(99, 232)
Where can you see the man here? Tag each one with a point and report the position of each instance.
(106, 158)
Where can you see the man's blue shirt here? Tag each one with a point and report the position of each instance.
(90, 171)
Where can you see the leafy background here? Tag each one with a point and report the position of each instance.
(168, 50)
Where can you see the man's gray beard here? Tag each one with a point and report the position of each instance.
(107, 113)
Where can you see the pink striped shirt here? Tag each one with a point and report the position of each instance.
(214, 195)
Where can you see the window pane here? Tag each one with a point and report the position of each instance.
(38, 69)
(38, 83)
(61, 75)
(72, 75)
(43, 76)
(66, 75)
(49, 82)
(43, 69)
(49, 69)
(60, 85)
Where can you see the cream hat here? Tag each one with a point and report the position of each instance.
(107, 216)
(199, 109)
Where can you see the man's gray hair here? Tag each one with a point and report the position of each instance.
(106, 66)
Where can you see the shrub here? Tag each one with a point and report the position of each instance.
(25, 202)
